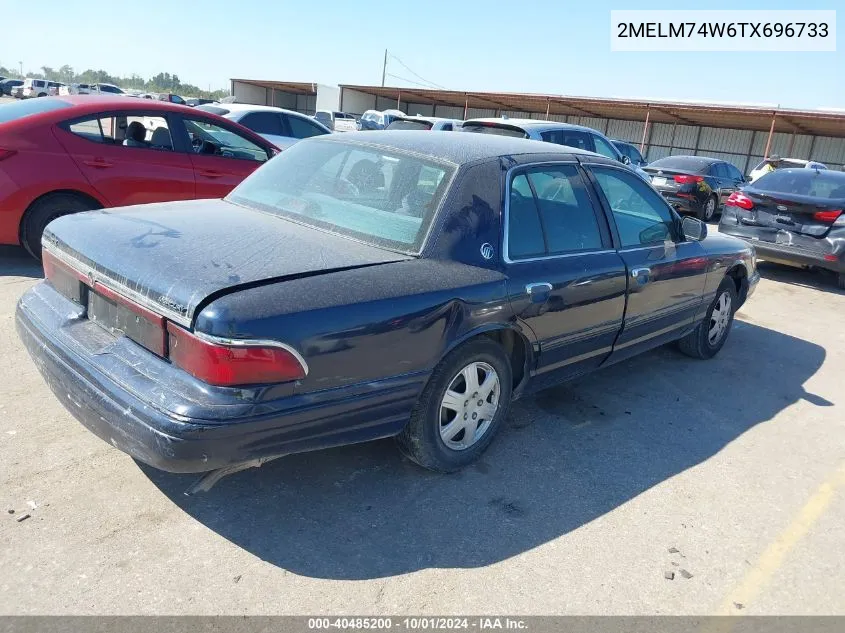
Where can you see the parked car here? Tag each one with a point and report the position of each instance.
(171, 98)
(368, 285)
(782, 163)
(576, 136)
(16, 92)
(53, 88)
(7, 85)
(34, 88)
(631, 151)
(281, 127)
(695, 184)
(376, 120)
(431, 123)
(792, 216)
(337, 121)
(197, 101)
(102, 88)
(65, 154)
(75, 89)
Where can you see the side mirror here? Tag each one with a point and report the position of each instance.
(693, 228)
(625, 160)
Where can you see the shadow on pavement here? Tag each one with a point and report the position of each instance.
(16, 262)
(567, 456)
(823, 280)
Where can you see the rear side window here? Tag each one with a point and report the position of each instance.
(550, 213)
(480, 128)
(604, 148)
(263, 123)
(300, 128)
(131, 131)
(21, 109)
(570, 138)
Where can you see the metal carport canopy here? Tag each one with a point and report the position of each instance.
(295, 87)
(748, 117)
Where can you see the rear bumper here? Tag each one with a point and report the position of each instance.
(98, 391)
(790, 254)
(680, 203)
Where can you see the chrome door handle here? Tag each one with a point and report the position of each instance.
(641, 275)
(538, 288)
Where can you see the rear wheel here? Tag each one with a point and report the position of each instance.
(42, 94)
(710, 335)
(708, 210)
(461, 408)
(45, 210)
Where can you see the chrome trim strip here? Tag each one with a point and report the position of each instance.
(508, 178)
(119, 288)
(242, 342)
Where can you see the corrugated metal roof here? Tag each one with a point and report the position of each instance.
(297, 87)
(744, 117)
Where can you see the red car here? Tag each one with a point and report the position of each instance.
(61, 155)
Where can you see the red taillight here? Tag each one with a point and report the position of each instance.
(828, 217)
(5, 153)
(232, 363)
(683, 179)
(739, 199)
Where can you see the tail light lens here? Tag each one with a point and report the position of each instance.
(828, 217)
(227, 363)
(739, 199)
(6, 153)
(683, 179)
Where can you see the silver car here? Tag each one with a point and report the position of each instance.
(281, 127)
(554, 132)
(431, 123)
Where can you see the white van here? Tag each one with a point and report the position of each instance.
(35, 87)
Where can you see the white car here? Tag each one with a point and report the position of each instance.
(281, 127)
(337, 121)
(40, 88)
(784, 163)
(75, 89)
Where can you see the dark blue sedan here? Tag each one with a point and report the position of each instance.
(368, 285)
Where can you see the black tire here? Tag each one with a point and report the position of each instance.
(45, 210)
(42, 94)
(421, 439)
(697, 343)
(708, 210)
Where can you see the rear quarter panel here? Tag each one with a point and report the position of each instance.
(40, 166)
(369, 323)
(724, 253)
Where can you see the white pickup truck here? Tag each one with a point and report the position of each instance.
(337, 121)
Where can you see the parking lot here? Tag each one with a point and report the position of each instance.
(727, 476)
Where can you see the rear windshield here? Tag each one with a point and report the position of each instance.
(370, 194)
(400, 124)
(481, 128)
(213, 110)
(829, 185)
(21, 109)
(687, 163)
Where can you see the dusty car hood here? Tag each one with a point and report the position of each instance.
(173, 256)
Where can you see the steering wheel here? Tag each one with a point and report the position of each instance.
(197, 145)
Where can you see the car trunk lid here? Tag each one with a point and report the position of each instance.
(665, 178)
(777, 213)
(172, 258)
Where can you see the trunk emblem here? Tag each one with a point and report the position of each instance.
(487, 250)
(781, 207)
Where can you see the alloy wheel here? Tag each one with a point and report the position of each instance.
(469, 405)
(719, 318)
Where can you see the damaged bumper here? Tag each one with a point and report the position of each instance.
(159, 415)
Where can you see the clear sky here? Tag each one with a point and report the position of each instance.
(541, 46)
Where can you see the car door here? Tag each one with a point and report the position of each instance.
(666, 273)
(565, 281)
(147, 171)
(724, 181)
(221, 155)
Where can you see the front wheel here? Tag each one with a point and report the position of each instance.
(460, 409)
(708, 210)
(710, 335)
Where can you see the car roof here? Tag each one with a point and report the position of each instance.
(83, 104)
(533, 124)
(456, 148)
(704, 160)
(249, 107)
(419, 117)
